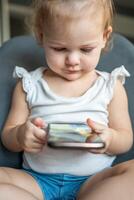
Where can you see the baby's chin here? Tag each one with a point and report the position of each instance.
(72, 77)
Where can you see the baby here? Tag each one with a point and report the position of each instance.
(73, 34)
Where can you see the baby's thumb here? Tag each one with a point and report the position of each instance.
(39, 122)
(91, 124)
(96, 127)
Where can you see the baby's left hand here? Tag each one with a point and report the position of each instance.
(101, 131)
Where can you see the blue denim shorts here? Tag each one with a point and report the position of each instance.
(58, 186)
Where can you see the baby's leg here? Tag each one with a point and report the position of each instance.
(17, 184)
(115, 183)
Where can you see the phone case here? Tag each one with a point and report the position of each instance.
(72, 135)
(77, 145)
(64, 132)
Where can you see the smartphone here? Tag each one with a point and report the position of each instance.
(77, 145)
(72, 135)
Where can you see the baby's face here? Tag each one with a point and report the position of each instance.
(74, 50)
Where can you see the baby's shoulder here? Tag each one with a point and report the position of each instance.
(119, 74)
(20, 72)
(28, 80)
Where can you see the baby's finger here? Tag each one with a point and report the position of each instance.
(34, 150)
(97, 151)
(39, 122)
(40, 134)
(39, 141)
(94, 138)
(96, 127)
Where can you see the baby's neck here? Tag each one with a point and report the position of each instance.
(66, 88)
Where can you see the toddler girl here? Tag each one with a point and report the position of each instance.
(69, 89)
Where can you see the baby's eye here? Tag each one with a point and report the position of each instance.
(86, 50)
(59, 49)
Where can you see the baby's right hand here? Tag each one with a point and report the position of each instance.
(31, 135)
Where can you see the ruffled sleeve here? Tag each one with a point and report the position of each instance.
(27, 81)
(120, 73)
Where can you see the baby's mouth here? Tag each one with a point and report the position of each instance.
(72, 71)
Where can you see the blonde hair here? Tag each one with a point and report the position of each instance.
(47, 12)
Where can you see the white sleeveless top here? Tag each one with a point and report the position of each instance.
(44, 103)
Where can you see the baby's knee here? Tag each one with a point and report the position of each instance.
(4, 176)
(125, 167)
(130, 165)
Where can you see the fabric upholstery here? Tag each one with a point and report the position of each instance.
(23, 51)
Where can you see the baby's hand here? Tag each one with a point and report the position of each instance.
(31, 136)
(101, 131)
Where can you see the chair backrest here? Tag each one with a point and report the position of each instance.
(23, 51)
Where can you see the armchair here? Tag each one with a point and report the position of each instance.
(23, 51)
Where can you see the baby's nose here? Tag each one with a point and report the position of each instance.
(72, 59)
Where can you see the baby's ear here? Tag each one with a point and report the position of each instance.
(40, 37)
(106, 34)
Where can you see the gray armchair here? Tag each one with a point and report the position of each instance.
(23, 51)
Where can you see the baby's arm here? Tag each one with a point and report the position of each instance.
(118, 137)
(19, 133)
(119, 122)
